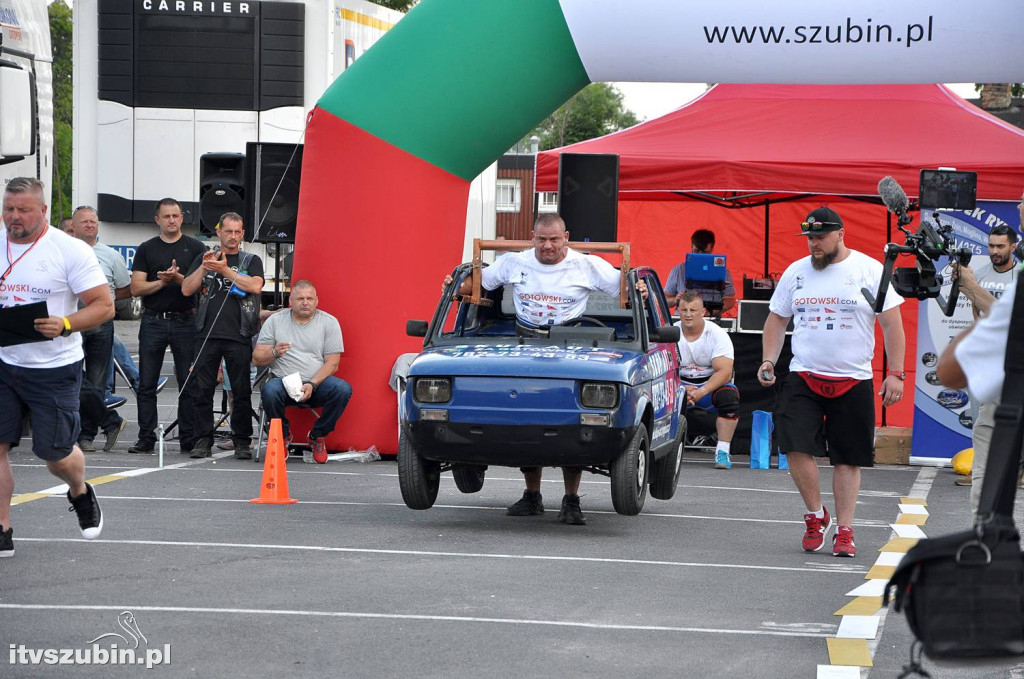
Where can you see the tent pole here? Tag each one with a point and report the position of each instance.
(766, 204)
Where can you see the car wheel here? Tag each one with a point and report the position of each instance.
(629, 474)
(418, 479)
(469, 477)
(665, 475)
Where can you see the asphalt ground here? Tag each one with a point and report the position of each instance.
(351, 583)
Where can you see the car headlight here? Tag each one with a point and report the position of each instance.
(433, 389)
(598, 395)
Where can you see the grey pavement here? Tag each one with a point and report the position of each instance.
(351, 583)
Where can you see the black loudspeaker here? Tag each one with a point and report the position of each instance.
(272, 173)
(221, 188)
(588, 196)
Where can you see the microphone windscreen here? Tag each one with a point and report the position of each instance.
(893, 195)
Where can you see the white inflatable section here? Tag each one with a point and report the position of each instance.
(799, 41)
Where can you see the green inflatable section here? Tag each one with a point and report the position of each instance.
(458, 82)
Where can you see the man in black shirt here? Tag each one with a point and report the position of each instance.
(229, 283)
(168, 319)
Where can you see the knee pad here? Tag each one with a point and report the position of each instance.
(727, 401)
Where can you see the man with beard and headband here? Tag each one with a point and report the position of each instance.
(563, 279)
(826, 405)
(984, 288)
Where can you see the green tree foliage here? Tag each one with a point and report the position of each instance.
(61, 41)
(400, 5)
(596, 110)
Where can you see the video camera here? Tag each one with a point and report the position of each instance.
(950, 190)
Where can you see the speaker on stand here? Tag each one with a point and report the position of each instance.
(221, 188)
(272, 176)
(588, 196)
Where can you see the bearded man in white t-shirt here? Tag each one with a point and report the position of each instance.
(44, 375)
(826, 406)
(551, 284)
(705, 366)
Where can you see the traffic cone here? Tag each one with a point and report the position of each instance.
(274, 487)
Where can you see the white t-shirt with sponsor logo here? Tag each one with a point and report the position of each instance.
(696, 356)
(56, 270)
(550, 294)
(833, 325)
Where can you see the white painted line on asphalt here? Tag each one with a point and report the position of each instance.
(869, 588)
(426, 553)
(913, 509)
(838, 672)
(858, 627)
(343, 503)
(907, 531)
(63, 608)
(889, 559)
(922, 486)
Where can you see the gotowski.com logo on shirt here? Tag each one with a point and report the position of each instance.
(126, 646)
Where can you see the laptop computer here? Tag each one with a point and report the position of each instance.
(707, 268)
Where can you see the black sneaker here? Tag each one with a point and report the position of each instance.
(113, 433)
(200, 451)
(87, 445)
(243, 451)
(6, 542)
(570, 512)
(142, 448)
(186, 446)
(90, 518)
(531, 504)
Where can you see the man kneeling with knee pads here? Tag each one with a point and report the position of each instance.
(706, 363)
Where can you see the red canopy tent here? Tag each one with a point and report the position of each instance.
(787, 149)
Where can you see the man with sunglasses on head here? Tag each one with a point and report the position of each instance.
(826, 405)
(984, 287)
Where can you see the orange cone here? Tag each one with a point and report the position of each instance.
(274, 487)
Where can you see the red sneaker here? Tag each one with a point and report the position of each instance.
(842, 542)
(814, 537)
(319, 447)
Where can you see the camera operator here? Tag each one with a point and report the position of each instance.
(975, 358)
(984, 286)
(994, 282)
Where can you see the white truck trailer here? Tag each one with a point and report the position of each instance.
(26, 92)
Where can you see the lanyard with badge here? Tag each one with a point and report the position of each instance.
(10, 264)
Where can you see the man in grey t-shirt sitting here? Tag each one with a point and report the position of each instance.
(306, 341)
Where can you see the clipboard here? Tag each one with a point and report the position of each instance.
(17, 324)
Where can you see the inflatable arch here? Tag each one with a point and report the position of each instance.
(394, 143)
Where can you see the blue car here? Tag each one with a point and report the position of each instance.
(603, 394)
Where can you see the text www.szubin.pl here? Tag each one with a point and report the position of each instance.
(866, 31)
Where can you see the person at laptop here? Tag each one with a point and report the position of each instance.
(551, 283)
(705, 368)
(701, 242)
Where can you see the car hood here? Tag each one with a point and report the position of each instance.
(610, 364)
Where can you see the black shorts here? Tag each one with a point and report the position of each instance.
(50, 395)
(843, 428)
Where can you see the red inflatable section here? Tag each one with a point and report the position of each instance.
(377, 231)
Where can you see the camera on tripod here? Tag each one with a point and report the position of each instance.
(939, 189)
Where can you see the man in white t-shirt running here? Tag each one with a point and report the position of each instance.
(44, 376)
(705, 367)
(826, 406)
(551, 284)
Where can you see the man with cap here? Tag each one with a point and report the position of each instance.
(826, 405)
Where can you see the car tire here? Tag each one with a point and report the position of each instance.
(665, 475)
(418, 478)
(469, 478)
(629, 474)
